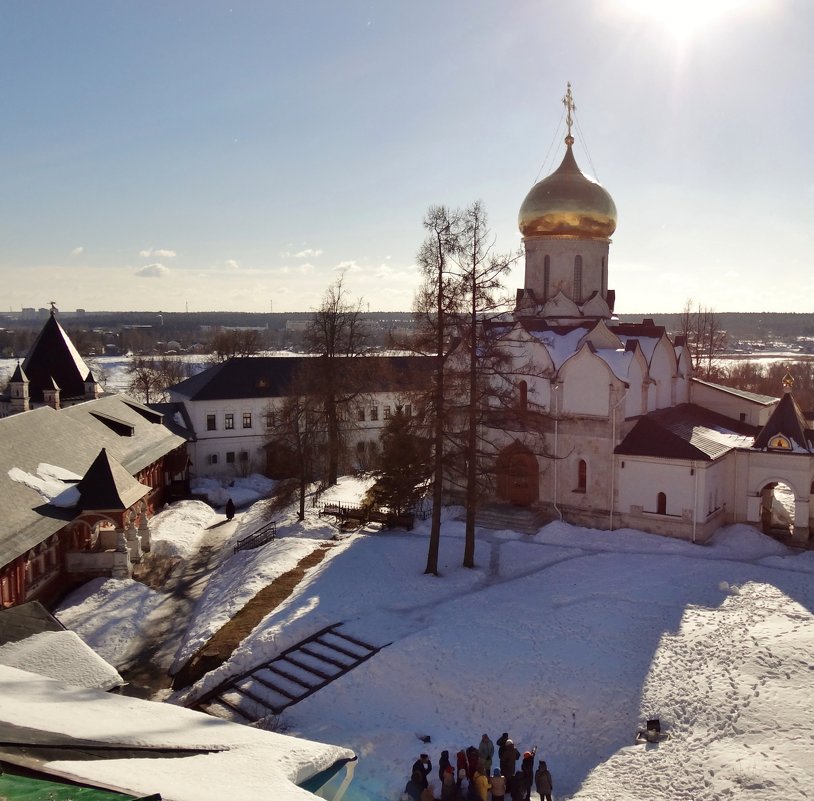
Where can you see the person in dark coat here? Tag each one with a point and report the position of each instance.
(414, 786)
(527, 769)
(518, 787)
(461, 764)
(230, 509)
(423, 766)
(507, 763)
(501, 744)
(472, 761)
(443, 764)
(544, 782)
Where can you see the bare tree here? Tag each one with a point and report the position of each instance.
(150, 377)
(703, 336)
(295, 439)
(228, 343)
(481, 271)
(437, 300)
(337, 333)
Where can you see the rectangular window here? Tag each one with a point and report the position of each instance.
(247, 419)
(212, 458)
(229, 421)
(374, 412)
(269, 419)
(244, 456)
(361, 415)
(230, 457)
(386, 412)
(408, 410)
(211, 425)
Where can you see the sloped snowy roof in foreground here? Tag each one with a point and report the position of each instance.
(254, 765)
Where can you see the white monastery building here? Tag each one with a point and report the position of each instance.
(609, 427)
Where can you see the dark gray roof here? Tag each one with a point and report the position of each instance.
(787, 420)
(70, 438)
(273, 376)
(107, 486)
(687, 432)
(754, 397)
(52, 360)
(20, 622)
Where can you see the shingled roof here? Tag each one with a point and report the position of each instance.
(70, 439)
(685, 432)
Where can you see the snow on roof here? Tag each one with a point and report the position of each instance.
(618, 360)
(255, 765)
(648, 344)
(49, 482)
(560, 344)
(61, 655)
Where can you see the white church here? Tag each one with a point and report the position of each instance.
(610, 428)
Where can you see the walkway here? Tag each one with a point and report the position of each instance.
(181, 582)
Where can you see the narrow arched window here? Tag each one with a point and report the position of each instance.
(661, 504)
(546, 276)
(522, 396)
(582, 476)
(604, 277)
(578, 279)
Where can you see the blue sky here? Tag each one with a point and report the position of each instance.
(165, 155)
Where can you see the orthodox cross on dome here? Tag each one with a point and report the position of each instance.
(570, 108)
(54, 308)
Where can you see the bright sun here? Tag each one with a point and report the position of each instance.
(684, 18)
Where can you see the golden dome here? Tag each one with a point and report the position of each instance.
(568, 203)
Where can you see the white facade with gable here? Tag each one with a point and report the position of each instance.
(609, 427)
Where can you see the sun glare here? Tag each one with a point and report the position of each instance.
(686, 18)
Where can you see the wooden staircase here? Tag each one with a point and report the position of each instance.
(525, 519)
(294, 674)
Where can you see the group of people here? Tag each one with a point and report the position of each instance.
(473, 778)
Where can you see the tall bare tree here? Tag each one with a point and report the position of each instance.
(436, 303)
(336, 333)
(481, 271)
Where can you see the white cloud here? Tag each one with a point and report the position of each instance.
(158, 253)
(348, 266)
(307, 253)
(152, 271)
(232, 264)
(78, 251)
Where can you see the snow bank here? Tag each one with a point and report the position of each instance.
(110, 615)
(177, 529)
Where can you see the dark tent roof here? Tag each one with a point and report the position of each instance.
(787, 420)
(107, 485)
(53, 359)
(685, 432)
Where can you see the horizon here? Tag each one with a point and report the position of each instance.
(162, 156)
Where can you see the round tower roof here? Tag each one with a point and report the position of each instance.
(568, 203)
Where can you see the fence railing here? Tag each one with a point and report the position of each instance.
(265, 534)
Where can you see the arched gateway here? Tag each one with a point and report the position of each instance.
(518, 475)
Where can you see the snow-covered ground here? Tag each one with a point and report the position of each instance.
(569, 639)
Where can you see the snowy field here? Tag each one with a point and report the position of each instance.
(569, 640)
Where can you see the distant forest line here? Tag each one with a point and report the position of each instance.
(745, 326)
